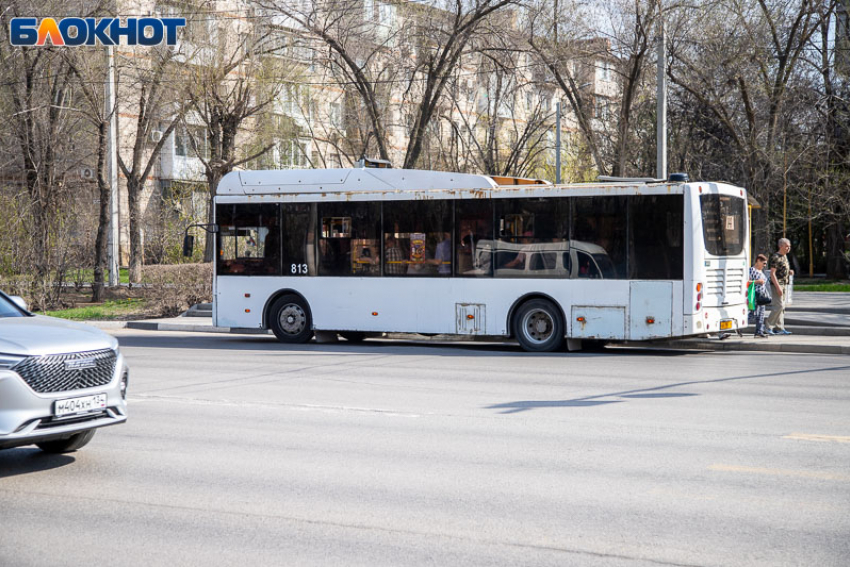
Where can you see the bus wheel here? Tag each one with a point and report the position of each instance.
(538, 326)
(289, 318)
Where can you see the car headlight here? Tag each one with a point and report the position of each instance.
(10, 360)
(125, 381)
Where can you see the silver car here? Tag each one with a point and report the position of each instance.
(59, 380)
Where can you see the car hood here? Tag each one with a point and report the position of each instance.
(47, 335)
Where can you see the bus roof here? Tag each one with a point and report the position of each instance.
(357, 179)
(336, 183)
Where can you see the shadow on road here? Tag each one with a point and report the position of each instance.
(262, 343)
(642, 393)
(15, 462)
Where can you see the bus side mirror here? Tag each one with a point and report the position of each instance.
(188, 245)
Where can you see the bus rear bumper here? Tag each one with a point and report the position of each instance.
(716, 320)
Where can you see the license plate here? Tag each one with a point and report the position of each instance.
(725, 325)
(76, 406)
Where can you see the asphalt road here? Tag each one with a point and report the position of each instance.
(240, 451)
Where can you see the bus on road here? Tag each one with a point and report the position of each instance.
(365, 251)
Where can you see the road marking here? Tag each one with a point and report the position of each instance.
(815, 437)
(780, 472)
(142, 398)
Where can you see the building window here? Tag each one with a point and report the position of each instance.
(605, 71)
(191, 141)
(293, 154)
(335, 115)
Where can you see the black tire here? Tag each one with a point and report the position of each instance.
(290, 319)
(353, 336)
(538, 326)
(69, 445)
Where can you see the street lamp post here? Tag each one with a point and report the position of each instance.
(661, 101)
(113, 239)
(558, 142)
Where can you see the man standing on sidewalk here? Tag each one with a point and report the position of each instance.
(780, 274)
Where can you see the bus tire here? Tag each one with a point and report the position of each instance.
(539, 326)
(290, 320)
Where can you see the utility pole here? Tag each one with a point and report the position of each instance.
(661, 101)
(558, 142)
(113, 240)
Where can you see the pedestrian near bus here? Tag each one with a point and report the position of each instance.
(780, 275)
(758, 278)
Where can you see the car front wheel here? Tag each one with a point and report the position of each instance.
(69, 445)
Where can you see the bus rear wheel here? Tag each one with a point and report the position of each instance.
(290, 320)
(538, 326)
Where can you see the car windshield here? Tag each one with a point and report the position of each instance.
(9, 309)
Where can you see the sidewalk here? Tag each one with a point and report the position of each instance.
(820, 323)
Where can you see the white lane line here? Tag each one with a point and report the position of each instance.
(780, 472)
(295, 407)
(819, 438)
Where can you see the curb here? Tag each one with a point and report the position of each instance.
(763, 346)
(730, 344)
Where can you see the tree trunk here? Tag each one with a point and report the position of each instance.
(134, 189)
(213, 177)
(836, 261)
(103, 217)
(761, 231)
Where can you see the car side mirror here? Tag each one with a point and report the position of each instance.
(188, 245)
(19, 301)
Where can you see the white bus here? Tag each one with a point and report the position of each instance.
(366, 251)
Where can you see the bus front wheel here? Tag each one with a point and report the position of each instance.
(538, 326)
(289, 319)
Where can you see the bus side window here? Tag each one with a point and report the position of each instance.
(298, 236)
(655, 237)
(599, 228)
(473, 228)
(348, 239)
(248, 240)
(418, 235)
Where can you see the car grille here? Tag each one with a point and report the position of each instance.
(46, 374)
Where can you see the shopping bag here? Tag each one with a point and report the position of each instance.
(751, 296)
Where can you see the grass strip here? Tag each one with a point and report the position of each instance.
(118, 309)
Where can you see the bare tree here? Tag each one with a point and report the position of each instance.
(89, 67)
(503, 128)
(426, 41)
(232, 84)
(149, 87)
(739, 69)
(37, 83)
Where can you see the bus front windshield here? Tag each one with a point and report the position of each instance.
(723, 224)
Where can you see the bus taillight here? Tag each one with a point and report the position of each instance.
(699, 297)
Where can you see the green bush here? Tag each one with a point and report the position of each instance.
(172, 288)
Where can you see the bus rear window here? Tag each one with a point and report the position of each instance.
(723, 220)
